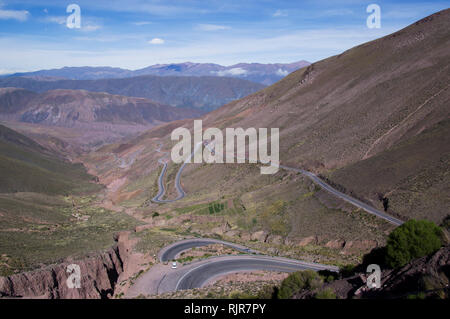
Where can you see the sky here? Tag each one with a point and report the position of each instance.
(134, 34)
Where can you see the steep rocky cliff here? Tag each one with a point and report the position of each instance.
(98, 277)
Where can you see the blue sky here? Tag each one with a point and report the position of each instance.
(137, 33)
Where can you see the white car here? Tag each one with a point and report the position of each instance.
(174, 265)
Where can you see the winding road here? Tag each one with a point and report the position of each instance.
(199, 275)
(355, 202)
(162, 278)
(162, 189)
(181, 194)
(172, 251)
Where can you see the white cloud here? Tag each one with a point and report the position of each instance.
(139, 23)
(281, 72)
(11, 71)
(156, 41)
(90, 27)
(212, 27)
(19, 15)
(29, 53)
(55, 19)
(87, 25)
(280, 13)
(234, 71)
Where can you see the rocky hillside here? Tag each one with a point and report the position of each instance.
(373, 120)
(98, 278)
(206, 93)
(13, 100)
(428, 276)
(99, 275)
(69, 108)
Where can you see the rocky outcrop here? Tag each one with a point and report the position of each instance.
(259, 236)
(351, 247)
(429, 275)
(98, 276)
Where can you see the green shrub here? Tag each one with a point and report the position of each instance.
(413, 239)
(326, 293)
(328, 276)
(267, 292)
(420, 295)
(155, 214)
(298, 281)
(240, 295)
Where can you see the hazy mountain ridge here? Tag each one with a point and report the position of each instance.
(206, 93)
(257, 72)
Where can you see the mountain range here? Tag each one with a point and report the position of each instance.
(256, 72)
(205, 93)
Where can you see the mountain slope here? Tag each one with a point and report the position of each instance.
(256, 72)
(66, 107)
(13, 100)
(364, 102)
(65, 120)
(71, 107)
(47, 208)
(26, 166)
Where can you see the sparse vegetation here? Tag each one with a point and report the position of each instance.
(298, 281)
(274, 218)
(216, 207)
(43, 229)
(326, 293)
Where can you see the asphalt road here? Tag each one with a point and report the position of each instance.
(345, 197)
(162, 188)
(199, 275)
(335, 192)
(310, 175)
(161, 278)
(172, 251)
